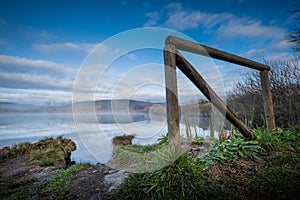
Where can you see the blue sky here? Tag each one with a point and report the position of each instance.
(44, 43)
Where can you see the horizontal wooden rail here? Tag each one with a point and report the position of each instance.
(201, 49)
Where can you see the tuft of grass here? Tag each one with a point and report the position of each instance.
(182, 179)
(51, 157)
(20, 149)
(139, 158)
(59, 185)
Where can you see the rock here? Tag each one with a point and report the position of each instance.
(197, 148)
(96, 182)
(115, 179)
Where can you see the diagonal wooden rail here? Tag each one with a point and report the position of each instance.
(173, 58)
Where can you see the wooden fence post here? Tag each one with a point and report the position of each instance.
(172, 98)
(267, 100)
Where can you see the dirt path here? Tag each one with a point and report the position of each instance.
(96, 182)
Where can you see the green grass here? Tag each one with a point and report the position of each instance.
(170, 182)
(137, 158)
(265, 168)
(59, 185)
(51, 157)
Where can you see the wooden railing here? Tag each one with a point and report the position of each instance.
(173, 58)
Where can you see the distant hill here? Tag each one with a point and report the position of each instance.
(15, 107)
(101, 106)
(120, 105)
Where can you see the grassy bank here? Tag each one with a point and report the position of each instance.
(37, 170)
(237, 168)
(46, 152)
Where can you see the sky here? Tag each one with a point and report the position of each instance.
(47, 47)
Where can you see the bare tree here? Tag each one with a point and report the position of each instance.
(294, 35)
(284, 76)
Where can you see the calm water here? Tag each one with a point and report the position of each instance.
(93, 140)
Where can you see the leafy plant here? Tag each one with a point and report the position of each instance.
(231, 150)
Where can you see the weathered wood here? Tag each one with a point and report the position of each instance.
(202, 85)
(267, 100)
(201, 49)
(172, 98)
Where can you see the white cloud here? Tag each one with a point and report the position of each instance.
(254, 53)
(244, 27)
(24, 81)
(68, 47)
(183, 20)
(263, 37)
(14, 64)
(224, 24)
(282, 44)
(34, 96)
(263, 54)
(277, 56)
(34, 81)
(153, 19)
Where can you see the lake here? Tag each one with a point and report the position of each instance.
(93, 140)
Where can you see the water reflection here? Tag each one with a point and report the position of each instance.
(94, 144)
(123, 118)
